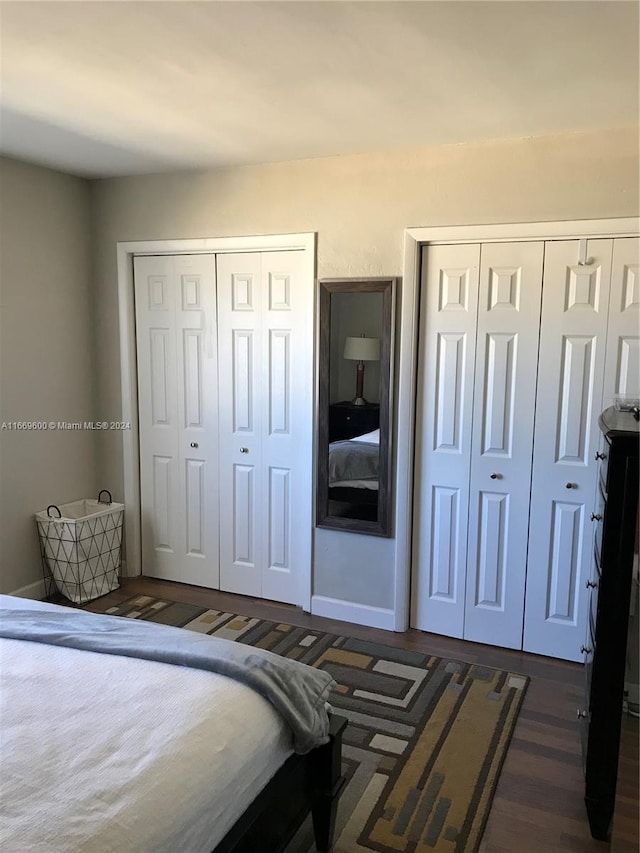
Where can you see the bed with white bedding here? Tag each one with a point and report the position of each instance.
(102, 751)
(354, 462)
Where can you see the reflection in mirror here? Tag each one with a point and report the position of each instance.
(353, 415)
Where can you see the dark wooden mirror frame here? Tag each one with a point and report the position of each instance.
(327, 287)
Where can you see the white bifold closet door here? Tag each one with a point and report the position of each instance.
(479, 329)
(622, 363)
(444, 408)
(265, 398)
(589, 352)
(507, 429)
(572, 358)
(177, 395)
(502, 435)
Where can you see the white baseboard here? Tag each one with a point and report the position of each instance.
(33, 590)
(349, 611)
(37, 591)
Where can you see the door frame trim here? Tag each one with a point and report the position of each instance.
(126, 251)
(414, 240)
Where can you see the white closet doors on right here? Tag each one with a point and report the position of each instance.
(502, 434)
(479, 327)
(444, 408)
(506, 462)
(622, 363)
(572, 352)
(588, 352)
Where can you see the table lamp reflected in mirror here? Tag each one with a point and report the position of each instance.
(360, 350)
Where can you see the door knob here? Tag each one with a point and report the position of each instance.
(194, 444)
(595, 516)
(244, 450)
(586, 650)
(581, 713)
(496, 476)
(571, 485)
(591, 584)
(600, 455)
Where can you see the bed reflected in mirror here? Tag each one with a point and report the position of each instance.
(353, 422)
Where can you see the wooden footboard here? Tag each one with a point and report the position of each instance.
(304, 783)
(356, 496)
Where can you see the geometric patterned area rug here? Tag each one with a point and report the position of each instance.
(426, 737)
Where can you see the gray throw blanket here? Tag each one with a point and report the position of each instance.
(297, 691)
(353, 460)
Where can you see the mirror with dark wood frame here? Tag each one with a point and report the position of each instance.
(354, 442)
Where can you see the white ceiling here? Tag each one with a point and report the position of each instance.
(117, 88)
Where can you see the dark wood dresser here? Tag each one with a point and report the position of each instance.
(347, 420)
(616, 519)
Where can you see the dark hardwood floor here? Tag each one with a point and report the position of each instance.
(538, 806)
(626, 830)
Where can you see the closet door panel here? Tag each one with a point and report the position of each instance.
(195, 487)
(197, 411)
(448, 316)
(244, 522)
(502, 433)
(493, 515)
(577, 363)
(286, 415)
(155, 296)
(572, 357)
(177, 391)
(622, 364)
(240, 387)
(266, 410)
(160, 515)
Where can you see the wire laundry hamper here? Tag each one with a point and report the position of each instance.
(81, 547)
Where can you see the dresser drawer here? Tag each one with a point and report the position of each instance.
(602, 455)
(588, 671)
(598, 520)
(593, 605)
(588, 650)
(597, 562)
(591, 634)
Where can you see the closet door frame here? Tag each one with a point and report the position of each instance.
(414, 240)
(126, 251)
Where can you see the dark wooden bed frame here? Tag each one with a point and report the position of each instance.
(305, 783)
(366, 497)
(362, 505)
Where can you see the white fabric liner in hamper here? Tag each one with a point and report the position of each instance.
(82, 548)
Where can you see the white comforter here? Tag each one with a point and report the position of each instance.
(103, 753)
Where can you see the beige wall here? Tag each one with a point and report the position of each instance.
(46, 356)
(59, 345)
(359, 206)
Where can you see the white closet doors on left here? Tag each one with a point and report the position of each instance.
(177, 397)
(265, 328)
(477, 367)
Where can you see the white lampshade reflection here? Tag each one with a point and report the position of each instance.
(362, 349)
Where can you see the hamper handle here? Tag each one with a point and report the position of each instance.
(109, 493)
(53, 506)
